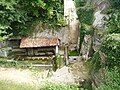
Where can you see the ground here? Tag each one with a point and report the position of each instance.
(34, 77)
(65, 75)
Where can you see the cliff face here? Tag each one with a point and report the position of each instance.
(62, 33)
(92, 42)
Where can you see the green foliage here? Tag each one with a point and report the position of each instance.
(49, 86)
(9, 85)
(73, 53)
(115, 4)
(80, 3)
(94, 64)
(7, 63)
(85, 13)
(111, 47)
(111, 43)
(111, 81)
(17, 16)
(59, 61)
(114, 22)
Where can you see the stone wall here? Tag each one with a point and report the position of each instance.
(3, 49)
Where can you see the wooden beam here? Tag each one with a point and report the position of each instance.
(41, 65)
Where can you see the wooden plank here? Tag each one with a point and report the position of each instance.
(38, 57)
(41, 65)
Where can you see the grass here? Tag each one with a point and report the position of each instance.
(49, 86)
(4, 62)
(73, 53)
(7, 85)
(7, 63)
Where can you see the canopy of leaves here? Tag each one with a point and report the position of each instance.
(16, 16)
(111, 47)
(85, 14)
(111, 81)
(85, 11)
(114, 20)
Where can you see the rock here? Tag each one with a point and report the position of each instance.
(4, 49)
(92, 42)
(62, 76)
(86, 45)
(73, 24)
(99, 22)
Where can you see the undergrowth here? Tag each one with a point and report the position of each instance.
(8, 85)
(49, 86)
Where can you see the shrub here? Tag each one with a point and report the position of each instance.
(111, 81)
(111, 47)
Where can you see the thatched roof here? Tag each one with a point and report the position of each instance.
(38, 42)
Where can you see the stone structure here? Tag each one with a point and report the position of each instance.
(71, 18)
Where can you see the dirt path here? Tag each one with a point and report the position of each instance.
(79, 71)
(21, 76)
(64, 75)
(28, 77)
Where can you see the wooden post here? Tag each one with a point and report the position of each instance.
(56, 50)
(54, 63)
(66, 55)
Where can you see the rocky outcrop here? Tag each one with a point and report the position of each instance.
(73, 23)
(61, 33)
(3, 49)
(92, 42)
(99, 23)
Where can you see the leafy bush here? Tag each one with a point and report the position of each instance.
(16, 64)
(94, 64)
(115, 4)
(73, 53)
(111, 47)
(113, 23)
(111, 80)
(49, 86)
(17, 16)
